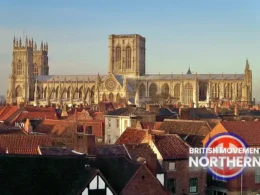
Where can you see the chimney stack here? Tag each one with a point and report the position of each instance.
(84, 143)
(28, 126)
(64, 111)
(216, 109)
(180, 109)
(153, 108)
(236, 111)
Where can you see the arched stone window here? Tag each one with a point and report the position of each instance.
(92, 93)
(38, 92)
(104, 97)
(45, 93)
(215, 90)
(188, 94)
(202, 91)
(228, 90)
(128, 57)
(35, 69)
(177, 91)
(19, 91)
(69, 92)
(118, 57)
(53, 94)
(117, 97)
(165, 90)
(57, 93)
(19, 68)
(81, 93)
(64, 93)
(76, 94)
(111, 97)
(239, 90)
(142, 91)
(152, 91)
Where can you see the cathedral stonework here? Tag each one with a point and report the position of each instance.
(31, 83)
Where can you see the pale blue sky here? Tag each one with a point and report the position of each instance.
(210, 36)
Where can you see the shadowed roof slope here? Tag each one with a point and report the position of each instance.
(248, 130)
(118, 171)
(171, 147)
(185, 127)
(43, 175)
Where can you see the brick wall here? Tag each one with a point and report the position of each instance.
(84, 143)
(248, 182)
(144, 183)
(182, 176)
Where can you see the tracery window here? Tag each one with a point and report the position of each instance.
(128, 57)
(19, 68)
(188, 93)
(118, 57)
(177, 91)
(35, 69)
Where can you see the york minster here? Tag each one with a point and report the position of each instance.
(126, 79)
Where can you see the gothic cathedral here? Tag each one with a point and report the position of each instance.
(31, 83)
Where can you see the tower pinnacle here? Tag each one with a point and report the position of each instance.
(189, 72)
(247, 64)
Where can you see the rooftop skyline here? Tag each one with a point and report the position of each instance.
(209, 37)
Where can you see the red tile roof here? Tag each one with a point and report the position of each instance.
(78, 116)
(157, 125)
(7, 112)
(248, 130)
(144, 151)
(35, 115)
(28, 151)
(147, 125)
(39, 109)
(171, 146)
(98, 115)
(132, 136)
(137, 136)
(66, 127)
(56, 127)
(23, 144)
(190, 127)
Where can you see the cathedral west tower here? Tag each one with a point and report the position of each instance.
(27, 62)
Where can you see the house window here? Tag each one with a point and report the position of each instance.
(193, 185)
(171, 166)
(89, 129)
(117, 123)
(257, 175)
(80, 129)
(171, 185)
(97, 183)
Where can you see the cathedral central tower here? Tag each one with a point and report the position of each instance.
(127, 54)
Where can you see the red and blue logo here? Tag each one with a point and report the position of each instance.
(226, 142)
